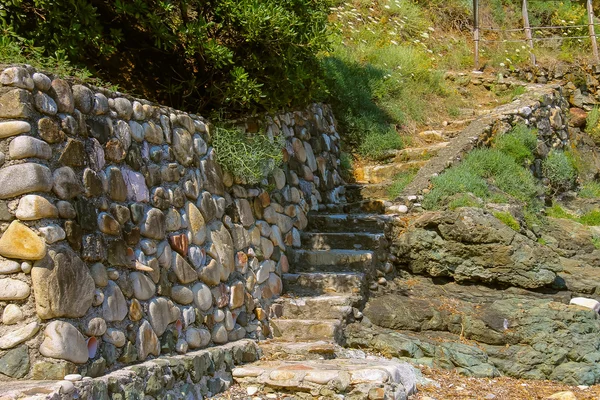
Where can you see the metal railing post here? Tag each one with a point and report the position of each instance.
(590, 11)
(528, 36)
(476, 31)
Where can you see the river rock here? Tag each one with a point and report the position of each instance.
(115, 337)
(184, 272)
(117, 189)
(18, 336)
(12, 128)
(52, 233)
(135, 310)
(66, 183)
(62, 94)
(237, 296)
(32, 207)
(24, 178)
(107, 224)
(62, 285)
(183, 146)
(219, 334)
(211, 273)
(160, 315)
(136, 186)
(182, 294)
(223, 249)
(29, 147)
(202, 296)
(212, 175)
(95, 327)
(147, 342)
(16, 77)
(197, 338)
(12, 314)
(13, 289)
(20, 242)
(45, 104)
(114, 307)
(9, 267)
(154, 226)
(63, 341)
(196, 223)
(143, 287)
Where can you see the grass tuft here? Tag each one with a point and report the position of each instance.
(590, 190)
(507, 219)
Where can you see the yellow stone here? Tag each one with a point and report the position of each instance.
(21, 243)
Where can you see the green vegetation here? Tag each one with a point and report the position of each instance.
(542, 241)
(590, 190)
(556, 211)
(500, 167)
(249, 158)
(592, 124)
(507, 219)
(380, 76)
(463, 201)
(590, 218)
(346, 165)
(229, 55)
(559, 170)
(519, 144)
(596, 242)
(400, 182)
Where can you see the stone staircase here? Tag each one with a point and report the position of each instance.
(324, 291)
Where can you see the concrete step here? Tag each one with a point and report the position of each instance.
(316, 283)
(279, 349)
(307, 329)
(370, 223)
(351, 378)
(366, 206)
(386, 172)
(342, 240)
(373, 191)
(319, 307)
(331, 260)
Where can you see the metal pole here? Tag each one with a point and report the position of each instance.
(528, 31)
(590, 10)
(476, 31)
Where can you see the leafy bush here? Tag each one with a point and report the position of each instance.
(233, 54)
(559, 170)
(590, 190)
(250, 158)
(519, 143)
(507, 219)
(455, 180)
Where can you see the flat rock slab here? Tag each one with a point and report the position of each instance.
(369, 377)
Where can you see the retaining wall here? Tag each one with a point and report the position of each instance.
(124, 239)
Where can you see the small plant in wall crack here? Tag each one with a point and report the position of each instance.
(248, 157)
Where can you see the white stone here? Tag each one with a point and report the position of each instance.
(114, 307)
(13, 289)
(115, 337)
(18, 336)
(9, 267)
(63, 341)
(585, 302)
(202, 296)
(143, 287)
(52, 233)
(32, 207)
(160, 315)
(73, 377)
(197, 338)
(219, 334)
(12, 314)
(27, 146)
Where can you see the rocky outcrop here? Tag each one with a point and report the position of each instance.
(471, 245)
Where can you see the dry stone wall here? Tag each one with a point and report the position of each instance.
(123, 238)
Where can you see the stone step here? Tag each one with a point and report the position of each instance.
(352, 378)
(319, 307)
(366, 206)
(342, 240)
(331, 260)
(369, 223)
(277, 349)
(386, 172)
(373, 191)
(307, 329)
(316, 283)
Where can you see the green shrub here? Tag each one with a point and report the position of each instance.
(592, 124)
(453, 181)
(400, 182)
(590, 190)
(346, 165)
(591, 218)
(463, 201)
(519, 143)
(250, 158)
(376, 143)
(235, 55)
(559, 170)
(507, 219)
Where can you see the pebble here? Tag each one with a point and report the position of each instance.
(24, 178)
(9, 267)
(52, 233)
(18, 336)
(45, 104)
(32, 207)
(20, 242)
(96, 327)
(182, 294)
(63, 341)
(115, 337)
(73, 377)
(42, 82)
(159, 315)
(586, 302)
(66, 183)
(219, 334)
(12, 314)
(154, 226)
(202, 296)
(196, 223)
(114, 307)
(143, 287)
(26, 267)
(251, 390)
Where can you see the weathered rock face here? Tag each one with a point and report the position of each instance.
(470, 245)
(120, 223)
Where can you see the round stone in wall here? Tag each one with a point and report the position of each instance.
(63, 341)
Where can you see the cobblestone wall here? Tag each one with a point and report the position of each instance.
(123, 238)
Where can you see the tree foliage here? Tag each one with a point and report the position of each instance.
(228, 55)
